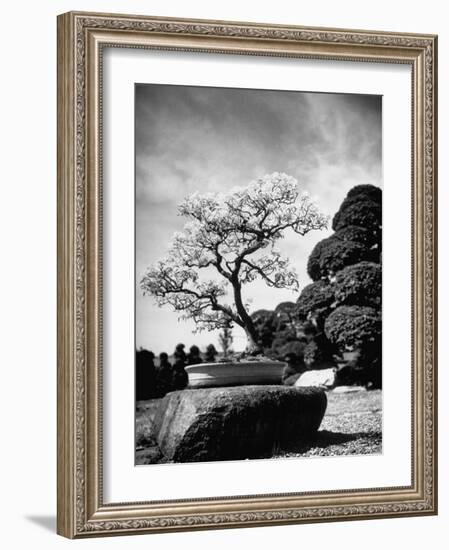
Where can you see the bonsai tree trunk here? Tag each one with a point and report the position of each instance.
(252, 346)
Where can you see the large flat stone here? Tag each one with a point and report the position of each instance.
(239, 373)
(236, 423)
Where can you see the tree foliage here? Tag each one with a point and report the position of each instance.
(211, 354)
(359, 284)
(264, 323)
(225, 337)
(332, 254)
(284, 316)
(285, 307)
(359, 212)
(145, 375)
(285, 342)
(319, 353)
(235, 234)
(350, 327)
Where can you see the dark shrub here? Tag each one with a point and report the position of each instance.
(284, 316)
(332, 254)
(286, 341)
(225, 338)
(179, 375)
(315, 300)
(285, 307)
(359, 284)
(351, 327)
(145, 375)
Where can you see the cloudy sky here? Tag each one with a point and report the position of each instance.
(211, 139)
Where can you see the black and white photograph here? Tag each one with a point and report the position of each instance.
(258, 274)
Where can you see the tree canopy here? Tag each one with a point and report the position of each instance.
(315, 298)
(354, 211)
(366, 191)
(332, 254)
(356, 234)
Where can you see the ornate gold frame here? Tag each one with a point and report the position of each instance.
(81, 37)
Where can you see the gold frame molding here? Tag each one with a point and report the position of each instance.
(81, 37)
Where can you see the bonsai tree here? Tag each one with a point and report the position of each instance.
(211, 354)
(194, 356)
(362, 207)
(179, 353)
(359, 284)
(234, 236)
(332, 254)
(145, 374)
(264, 323)
(350, 327)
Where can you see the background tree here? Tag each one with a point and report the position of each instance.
(351, 327)
(194, 356)
(359, 284)
(234, 234)
(315, 302)
(211, 354)
(145, 375)
(179, 353)
(344, 301)
(332, 254)
(264, 322)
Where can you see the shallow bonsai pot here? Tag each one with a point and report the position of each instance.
(235, 373)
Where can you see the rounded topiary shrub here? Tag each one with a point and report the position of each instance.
(359, 284)
(351, 327)
(366, 191)
(264, 323)
(359, 211)
(331, 255)
(315, 299)
(357, 234)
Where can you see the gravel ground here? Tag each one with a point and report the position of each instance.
(352, 425)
